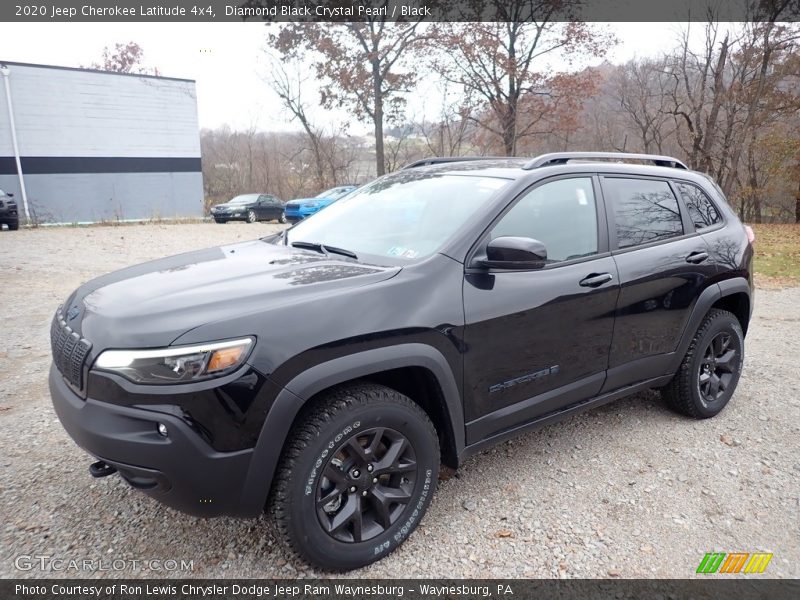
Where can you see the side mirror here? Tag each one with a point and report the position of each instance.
(9, 194)
(514, 253)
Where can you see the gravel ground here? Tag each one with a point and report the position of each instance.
(628, 490)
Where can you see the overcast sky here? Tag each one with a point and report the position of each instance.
(227, 60)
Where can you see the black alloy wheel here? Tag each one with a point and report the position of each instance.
(710, 369)
(366, 485)
(357, 474)
(717, 367)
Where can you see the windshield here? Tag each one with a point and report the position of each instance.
(243, 199)
(334, 192)
(404, 216)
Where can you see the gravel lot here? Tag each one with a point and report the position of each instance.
(629, 490)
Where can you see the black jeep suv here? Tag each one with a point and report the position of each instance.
(432, 313)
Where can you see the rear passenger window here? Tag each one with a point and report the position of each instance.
(561, 214)
(701, 210)
(644, 211)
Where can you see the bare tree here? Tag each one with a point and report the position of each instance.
(505, 63)
(287, 82)
(638, 89)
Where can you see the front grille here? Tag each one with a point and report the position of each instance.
(69, 351)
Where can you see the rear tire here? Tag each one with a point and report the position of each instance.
(357, 474)
(710, 371)
(282, 218)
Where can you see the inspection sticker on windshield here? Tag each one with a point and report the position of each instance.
(402, 251)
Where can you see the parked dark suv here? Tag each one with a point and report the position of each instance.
(8, 211)
(432, 313)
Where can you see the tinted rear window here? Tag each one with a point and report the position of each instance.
(701, 210)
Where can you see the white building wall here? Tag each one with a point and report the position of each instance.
(99, 146)
(64, 112)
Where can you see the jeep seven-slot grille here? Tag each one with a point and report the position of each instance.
(69, 351)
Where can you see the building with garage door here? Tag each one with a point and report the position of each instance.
(99, 146)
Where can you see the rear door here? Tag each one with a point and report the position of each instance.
(268, 207)
(663, 267)
(274, 207)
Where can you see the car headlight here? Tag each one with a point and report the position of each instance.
(179, 364)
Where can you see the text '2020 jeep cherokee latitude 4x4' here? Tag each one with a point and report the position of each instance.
(435, 311)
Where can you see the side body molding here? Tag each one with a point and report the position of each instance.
(296, 393)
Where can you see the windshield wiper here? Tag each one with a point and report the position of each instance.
(324, 249)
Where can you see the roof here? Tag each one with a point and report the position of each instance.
(98, 71)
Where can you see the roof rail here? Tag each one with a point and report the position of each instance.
(560, 158)
(438, 160)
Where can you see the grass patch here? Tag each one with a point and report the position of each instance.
(777, 258)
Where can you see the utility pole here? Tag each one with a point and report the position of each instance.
(6, 73)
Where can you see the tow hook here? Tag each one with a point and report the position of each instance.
(101, 469)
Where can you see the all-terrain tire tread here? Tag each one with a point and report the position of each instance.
(678, 393)
(311, 424)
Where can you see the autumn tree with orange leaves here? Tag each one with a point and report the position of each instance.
(362, 66)
(124, 58)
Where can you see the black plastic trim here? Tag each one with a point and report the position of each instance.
(562, 414)
(304, 386)
(179, 470)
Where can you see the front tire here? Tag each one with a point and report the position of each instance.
(251, 216)
(13, 225)
(710, 371)
(356, 476)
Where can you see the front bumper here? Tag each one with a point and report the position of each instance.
(9, 216)
(298, 214)
(239, 216)
(180, 470)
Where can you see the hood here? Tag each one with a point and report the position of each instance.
(154, 303)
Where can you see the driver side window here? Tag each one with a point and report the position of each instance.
(561, 214)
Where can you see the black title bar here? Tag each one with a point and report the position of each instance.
(397, 10)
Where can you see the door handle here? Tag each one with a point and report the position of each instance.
(595, 279)
(697, 257)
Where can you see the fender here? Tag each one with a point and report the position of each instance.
(704, 302)
(322, 376)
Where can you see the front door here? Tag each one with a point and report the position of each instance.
(538, 340)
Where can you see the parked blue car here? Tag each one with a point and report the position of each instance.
(297, 210)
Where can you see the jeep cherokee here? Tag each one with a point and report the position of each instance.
(434, 312)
